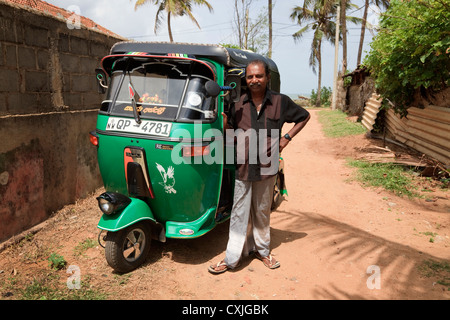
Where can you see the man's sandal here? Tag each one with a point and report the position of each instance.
(218, 268)
(269, 261)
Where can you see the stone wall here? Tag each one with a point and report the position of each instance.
(341, 94)
(357, 96)
(48, 105)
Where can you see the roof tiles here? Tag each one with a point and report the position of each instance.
(58, 12)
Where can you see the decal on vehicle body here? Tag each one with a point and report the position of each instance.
(168, 178)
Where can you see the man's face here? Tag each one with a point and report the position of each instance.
(256, 78)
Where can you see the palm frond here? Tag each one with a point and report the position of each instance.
(173, 8)
(159, 17)
(140, 3)
(299, 34)
(206, 3)
(354, 20)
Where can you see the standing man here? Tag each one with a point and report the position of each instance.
(261, 112)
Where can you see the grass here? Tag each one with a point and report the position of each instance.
(83, 246)
(441, 270)
(432, 235)
(57, 261)
(48, 285)
(335, 124)
(48, 281)
(389, 176)
(50, 289)
(393, 177)
(386, 175)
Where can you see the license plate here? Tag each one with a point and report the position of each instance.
(148, 127)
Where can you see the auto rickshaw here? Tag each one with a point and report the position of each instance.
(160, 143)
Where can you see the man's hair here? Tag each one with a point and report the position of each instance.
(263, 63)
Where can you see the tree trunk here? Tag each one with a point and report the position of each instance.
(270, 29)
(246, 30)
(169, 27)
(319, 59)
(363, 31)
(344, 35)
(238, 23)
(336, 60)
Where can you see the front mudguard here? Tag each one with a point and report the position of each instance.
(136, 211)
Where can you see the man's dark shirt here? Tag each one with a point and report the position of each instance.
(276, 110)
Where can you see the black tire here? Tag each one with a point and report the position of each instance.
(127, 249)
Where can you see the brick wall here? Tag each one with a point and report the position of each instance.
(48, 105)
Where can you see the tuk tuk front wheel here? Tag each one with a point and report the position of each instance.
(126, 249)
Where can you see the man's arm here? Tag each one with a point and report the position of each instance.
(294, 130)
(225, 121)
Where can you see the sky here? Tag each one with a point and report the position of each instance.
(292, 58)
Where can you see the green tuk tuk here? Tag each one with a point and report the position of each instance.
(161, 146)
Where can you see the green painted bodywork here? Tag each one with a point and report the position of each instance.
(199, 227)
(136, 211)
(193, 199)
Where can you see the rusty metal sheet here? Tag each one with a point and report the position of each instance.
(371, 111)
(426, 130)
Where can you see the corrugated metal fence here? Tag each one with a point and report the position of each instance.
(371, 111)
(425, 130)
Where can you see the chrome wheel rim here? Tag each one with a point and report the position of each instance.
(134, 244)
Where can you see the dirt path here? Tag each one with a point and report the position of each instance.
(334, 239)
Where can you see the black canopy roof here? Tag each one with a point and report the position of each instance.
(227, 56)
(232, 58)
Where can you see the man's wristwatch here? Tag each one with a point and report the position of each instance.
(287, 136)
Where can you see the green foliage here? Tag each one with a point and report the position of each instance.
(335, 124)
(50, 287)
(386, 175)
(56, 261)
(83, 246)
(325, 96)
(230, 45)
(173, 8)
(348, 80)
(317, 16)
(441, 270)
(411, 51)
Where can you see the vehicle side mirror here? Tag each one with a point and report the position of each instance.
(212, 88)
(102, 80)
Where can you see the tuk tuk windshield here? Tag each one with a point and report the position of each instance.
(163, 91)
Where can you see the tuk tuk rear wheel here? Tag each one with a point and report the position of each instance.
(127, 249)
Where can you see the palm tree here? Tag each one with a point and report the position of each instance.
(382, 3)
(173, 8)
(269, 6)
(345, 5)
(321, 17)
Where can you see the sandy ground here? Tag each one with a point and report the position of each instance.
(334, 239)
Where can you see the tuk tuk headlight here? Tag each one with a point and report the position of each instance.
(194, 99)
(112, 202)
(106, 206)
